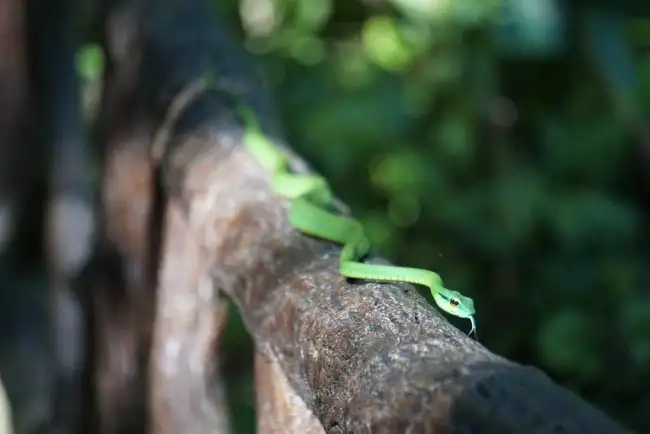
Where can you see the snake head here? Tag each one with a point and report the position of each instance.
(455, 303)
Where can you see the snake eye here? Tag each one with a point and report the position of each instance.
(453, 302)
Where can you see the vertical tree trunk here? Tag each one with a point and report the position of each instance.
(69, 223)
(122, 299)
(13, 105)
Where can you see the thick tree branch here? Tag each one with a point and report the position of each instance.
(156, 322)
(363, 357)
(185, 394)
(366, 358)
(121, 291)
(279, 409)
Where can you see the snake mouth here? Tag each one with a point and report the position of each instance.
(473, 330)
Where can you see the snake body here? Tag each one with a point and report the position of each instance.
(311, 201)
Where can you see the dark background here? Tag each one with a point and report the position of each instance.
(504, 148)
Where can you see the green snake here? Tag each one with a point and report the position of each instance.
(311, 199)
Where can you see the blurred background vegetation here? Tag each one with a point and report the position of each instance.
(501, 143)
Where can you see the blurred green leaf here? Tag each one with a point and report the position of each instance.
(635, 315)
(379, 229)
(404, 209)
(584, 149)
(455, 139)
(399, 172)
(311, 15)
(588, 220)
(90, 62)
(385, 44)
(565, 341)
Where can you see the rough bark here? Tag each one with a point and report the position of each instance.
(279, 409)
(363, 357)
(186, 394)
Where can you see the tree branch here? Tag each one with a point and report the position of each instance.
(157, 322)
(363, 357)
(186, 395)
(279, 409)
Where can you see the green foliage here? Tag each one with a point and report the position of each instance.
(519, 195)
(90, 62)
(90, 66)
